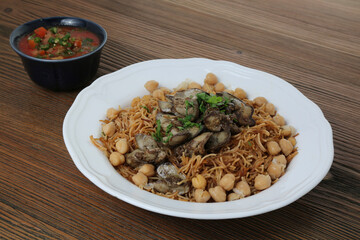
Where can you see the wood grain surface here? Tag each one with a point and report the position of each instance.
(312, 44)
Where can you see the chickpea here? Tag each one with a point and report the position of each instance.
(286, 146)
(275, 170)
(262, 182)
(194, 85)
(211, 79)
(242, 188)
(233, 196)
(116, 159)
(227, 181)
(230, 91)
(208, 88)
(273, 147)
(159, 94)
(288, 130)
(201, 196)
(279, 120)
(109, 129)
(140, 179)
(148, 170)
(151, 85)
(240, 93)
(112, 113)
(135, 101)
(219, 87)
(280, 159)
(182, 86)
(260, 101)
(292, 140)
(122, 146)
(218, 194)
(199, 182)
(270, 108)
(165, 90)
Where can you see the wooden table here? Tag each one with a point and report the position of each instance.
(312, 44)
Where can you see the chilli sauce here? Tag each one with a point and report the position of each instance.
(58, 42)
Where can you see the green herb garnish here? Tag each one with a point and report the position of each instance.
(214, 100)
(66, 37)
(189, 104)
(168, 133)
(186, 122)
(168, 128)
(202, 107)
(86, 41)
(168, 138)
(44, 47)
(157, 134)
(211, 100)
(185, 119)
(51, 40)
(147, 109)
(53, 30)
(37, 40)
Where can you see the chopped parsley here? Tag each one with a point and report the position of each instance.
(87, 41)
(157, 134)
(188, 105)
(185, 119)
(66, 37)
(147, 109)
(205, 100)
(37, 40)
(168, 133)
(168, 138)
(53, 30)
(214, 100)
(168, 128)
(186, 123)
(44, 47)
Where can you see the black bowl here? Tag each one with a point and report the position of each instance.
(65, 74)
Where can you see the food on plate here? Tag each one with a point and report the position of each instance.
(58, 42)
(200, 143)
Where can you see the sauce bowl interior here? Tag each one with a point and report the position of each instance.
(28, 27)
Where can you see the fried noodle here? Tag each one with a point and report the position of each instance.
(244, 156)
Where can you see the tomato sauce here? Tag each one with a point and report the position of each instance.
(58, 42)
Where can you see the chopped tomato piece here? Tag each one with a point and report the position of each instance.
(77, 43)
(41, 31)
(32, 44)
(42, 52)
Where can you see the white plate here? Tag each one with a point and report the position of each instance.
(308, 168)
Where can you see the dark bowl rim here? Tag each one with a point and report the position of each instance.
(15, 48)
